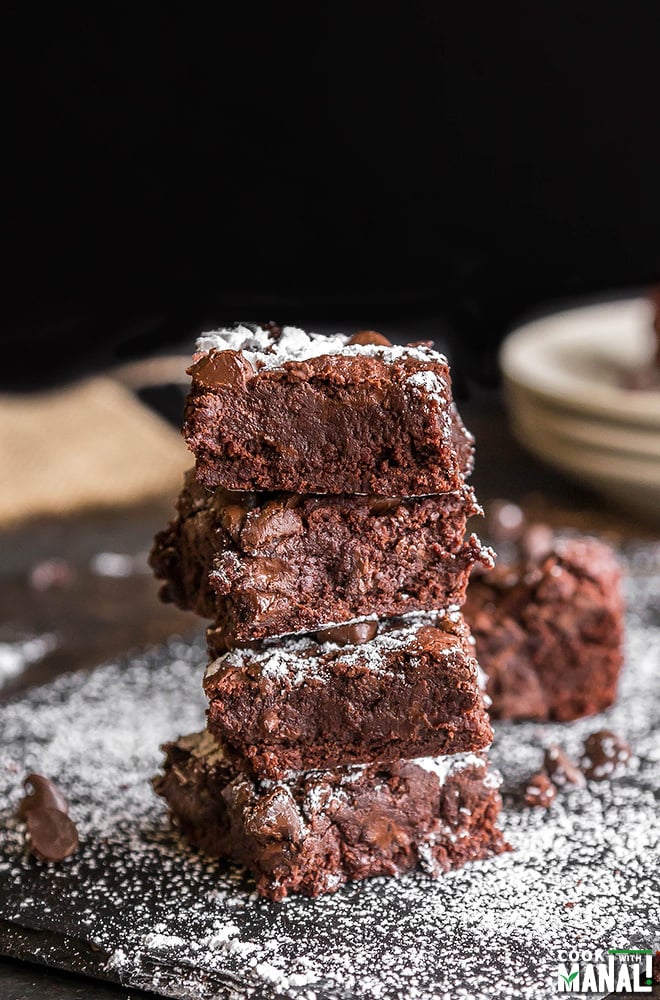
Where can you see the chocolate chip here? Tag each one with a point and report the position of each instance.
(276, 815)
(604, 754)
(41, 794)
(269, 525)
(220, 368)
(537, 542)
(273, 328)
(540, 791)
(370, 337)
(52, 835)
(232, 519)
(383, 505)
(354, 634)
(504, 521)
(561, 768)
(264, 571)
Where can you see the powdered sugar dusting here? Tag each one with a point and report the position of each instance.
(293, 344)
(584, 873)
(297, 659)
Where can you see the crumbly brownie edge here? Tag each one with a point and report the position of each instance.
(317, 830)
(411, 690)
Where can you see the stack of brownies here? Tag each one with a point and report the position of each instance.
(323, 532)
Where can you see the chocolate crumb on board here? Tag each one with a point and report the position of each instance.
(540, 791)
(605, 755)
(561, 768)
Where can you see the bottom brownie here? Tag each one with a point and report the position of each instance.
(318, 829)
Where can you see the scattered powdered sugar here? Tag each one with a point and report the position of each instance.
(151, 913)
(293, 344)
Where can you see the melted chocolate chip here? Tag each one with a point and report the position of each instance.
(221, 368)
(354, 634)
(233, 516)
(277, 816)
(41, 794)
(540, 791)
(604, 753)
(561, 768)
(52, 835)
(383, 505)
(370, 337)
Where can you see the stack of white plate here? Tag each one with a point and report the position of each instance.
(564, 383)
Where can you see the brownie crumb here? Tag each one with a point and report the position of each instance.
(540, 791)
(561, 768)
(604, 755)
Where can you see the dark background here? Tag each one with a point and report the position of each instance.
(174, 169)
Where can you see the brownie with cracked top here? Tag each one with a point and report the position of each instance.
(279, 409)
(313, 831)
(549, 631)
(369, 690)
(265, 564)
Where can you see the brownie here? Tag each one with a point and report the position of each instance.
(264, 564)
(280, 409)
(313, 831)
(405, 687)
(549, 631)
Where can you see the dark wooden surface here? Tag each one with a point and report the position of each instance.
(95, 616)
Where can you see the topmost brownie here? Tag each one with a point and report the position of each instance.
(275, 408)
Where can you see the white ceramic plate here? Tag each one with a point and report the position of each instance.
(563, 385)
(578, 359)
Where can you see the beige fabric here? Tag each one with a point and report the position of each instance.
(92, 444)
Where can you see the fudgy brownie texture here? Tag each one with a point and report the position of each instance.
(280, 409)
(368, 691)
(265, 564)
(314, 831)
(549, 632)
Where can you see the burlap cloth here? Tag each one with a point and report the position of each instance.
(88, 445)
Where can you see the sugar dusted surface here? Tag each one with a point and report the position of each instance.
(294, 344)
(584, 873)
(299, 658)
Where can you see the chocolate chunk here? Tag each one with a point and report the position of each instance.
(354, 634)
(52, 835)
(604, 754)
(268, 525)
(561, 768)
(505, 521)
(370, 337)
(41, 794)
(276, 815)
(540, 791)
(221, 368)
(233, 516)
(384, 505)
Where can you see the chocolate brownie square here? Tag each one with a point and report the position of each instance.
(265, 564)
(406, 687)
(311, 832)
(549, 631)
(280, 409)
